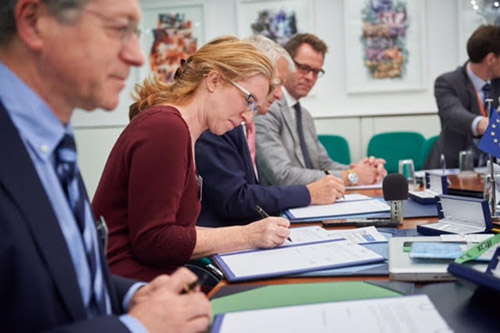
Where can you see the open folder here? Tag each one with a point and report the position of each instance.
(280, 261)
(337, 210)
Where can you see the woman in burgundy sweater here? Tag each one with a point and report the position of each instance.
(149, 193)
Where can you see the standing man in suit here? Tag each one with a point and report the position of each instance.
(231, 188)
(55, 56)
(288, 149)
(461, 95)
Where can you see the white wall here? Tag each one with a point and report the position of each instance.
(355, 116)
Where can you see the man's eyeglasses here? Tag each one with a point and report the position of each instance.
(250, 99)
(306, 69)
(121, 31)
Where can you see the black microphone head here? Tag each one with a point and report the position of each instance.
(395, 187)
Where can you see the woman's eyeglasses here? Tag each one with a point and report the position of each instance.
(250, 99)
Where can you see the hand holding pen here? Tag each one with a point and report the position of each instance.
(264, 215)
(327, 173)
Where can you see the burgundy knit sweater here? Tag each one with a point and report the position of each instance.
(149, 197)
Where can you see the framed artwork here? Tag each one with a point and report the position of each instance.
(384, 45)
(278, 20)
(170, 33)
(470, 17)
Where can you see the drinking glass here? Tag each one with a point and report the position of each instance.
(466, 161)
(407, 169)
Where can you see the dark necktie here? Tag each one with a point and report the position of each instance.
(300, 132)
(70, 179)
(486, 95)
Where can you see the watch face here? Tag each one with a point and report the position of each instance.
(353, 178)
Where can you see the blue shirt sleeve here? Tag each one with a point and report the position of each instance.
(132, 323)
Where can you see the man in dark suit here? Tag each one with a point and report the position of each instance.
(56, 56)
(461, 95)
(231, 188)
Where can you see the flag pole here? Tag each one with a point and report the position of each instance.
(493, 183)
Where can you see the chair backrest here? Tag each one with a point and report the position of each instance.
(337, 148)
(429, 144)
(395, 146)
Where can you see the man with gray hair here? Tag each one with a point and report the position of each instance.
(231, 188)
(289, 152)
(55, 56)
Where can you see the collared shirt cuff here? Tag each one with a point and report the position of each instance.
(133, 325)
(474, 125)
(130, 293)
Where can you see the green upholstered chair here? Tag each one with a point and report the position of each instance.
(429, 143)
(395, 146)
(337, 148)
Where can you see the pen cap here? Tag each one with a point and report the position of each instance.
(395, 187)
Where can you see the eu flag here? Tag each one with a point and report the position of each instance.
(490, 143)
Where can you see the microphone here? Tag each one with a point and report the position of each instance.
(395, 188)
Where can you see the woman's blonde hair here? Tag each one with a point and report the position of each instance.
(232, 58)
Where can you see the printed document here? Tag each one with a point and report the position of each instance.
(299, 258)
(340, 209)
(315, 233)
(415, 314)
(365, 187)
(353, 197)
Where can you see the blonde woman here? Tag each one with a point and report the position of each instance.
(149, 193)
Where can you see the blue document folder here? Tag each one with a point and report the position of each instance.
(411, 209)
(260, 267)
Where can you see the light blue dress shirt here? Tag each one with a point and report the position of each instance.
(41, 132)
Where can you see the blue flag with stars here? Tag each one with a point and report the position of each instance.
(490, 143)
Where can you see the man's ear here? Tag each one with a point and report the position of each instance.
(27, 14)
(214, 79)
(490, 58)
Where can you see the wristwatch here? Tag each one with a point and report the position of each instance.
(352, 177)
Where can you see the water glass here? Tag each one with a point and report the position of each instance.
(466, 161)
(407, 169)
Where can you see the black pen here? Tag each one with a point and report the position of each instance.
(328, 173)
(264, 214)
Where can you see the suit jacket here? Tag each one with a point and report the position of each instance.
(38, 285)
(457, 107)
(279, 155)
(230, 188)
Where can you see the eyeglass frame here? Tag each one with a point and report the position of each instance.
(249, 99)
(125, 31)
(306, 69)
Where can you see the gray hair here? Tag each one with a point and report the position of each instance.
(64, 10)
(272, 50)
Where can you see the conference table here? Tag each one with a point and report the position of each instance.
(407, 224)
(464, 309)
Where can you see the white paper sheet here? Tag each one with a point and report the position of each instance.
(466, 238)
(353, 197)
(307, 235)
(365, 187)
(364, 235)
(295, 258)
(414, 314)
(340, 209)
(315, 233)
